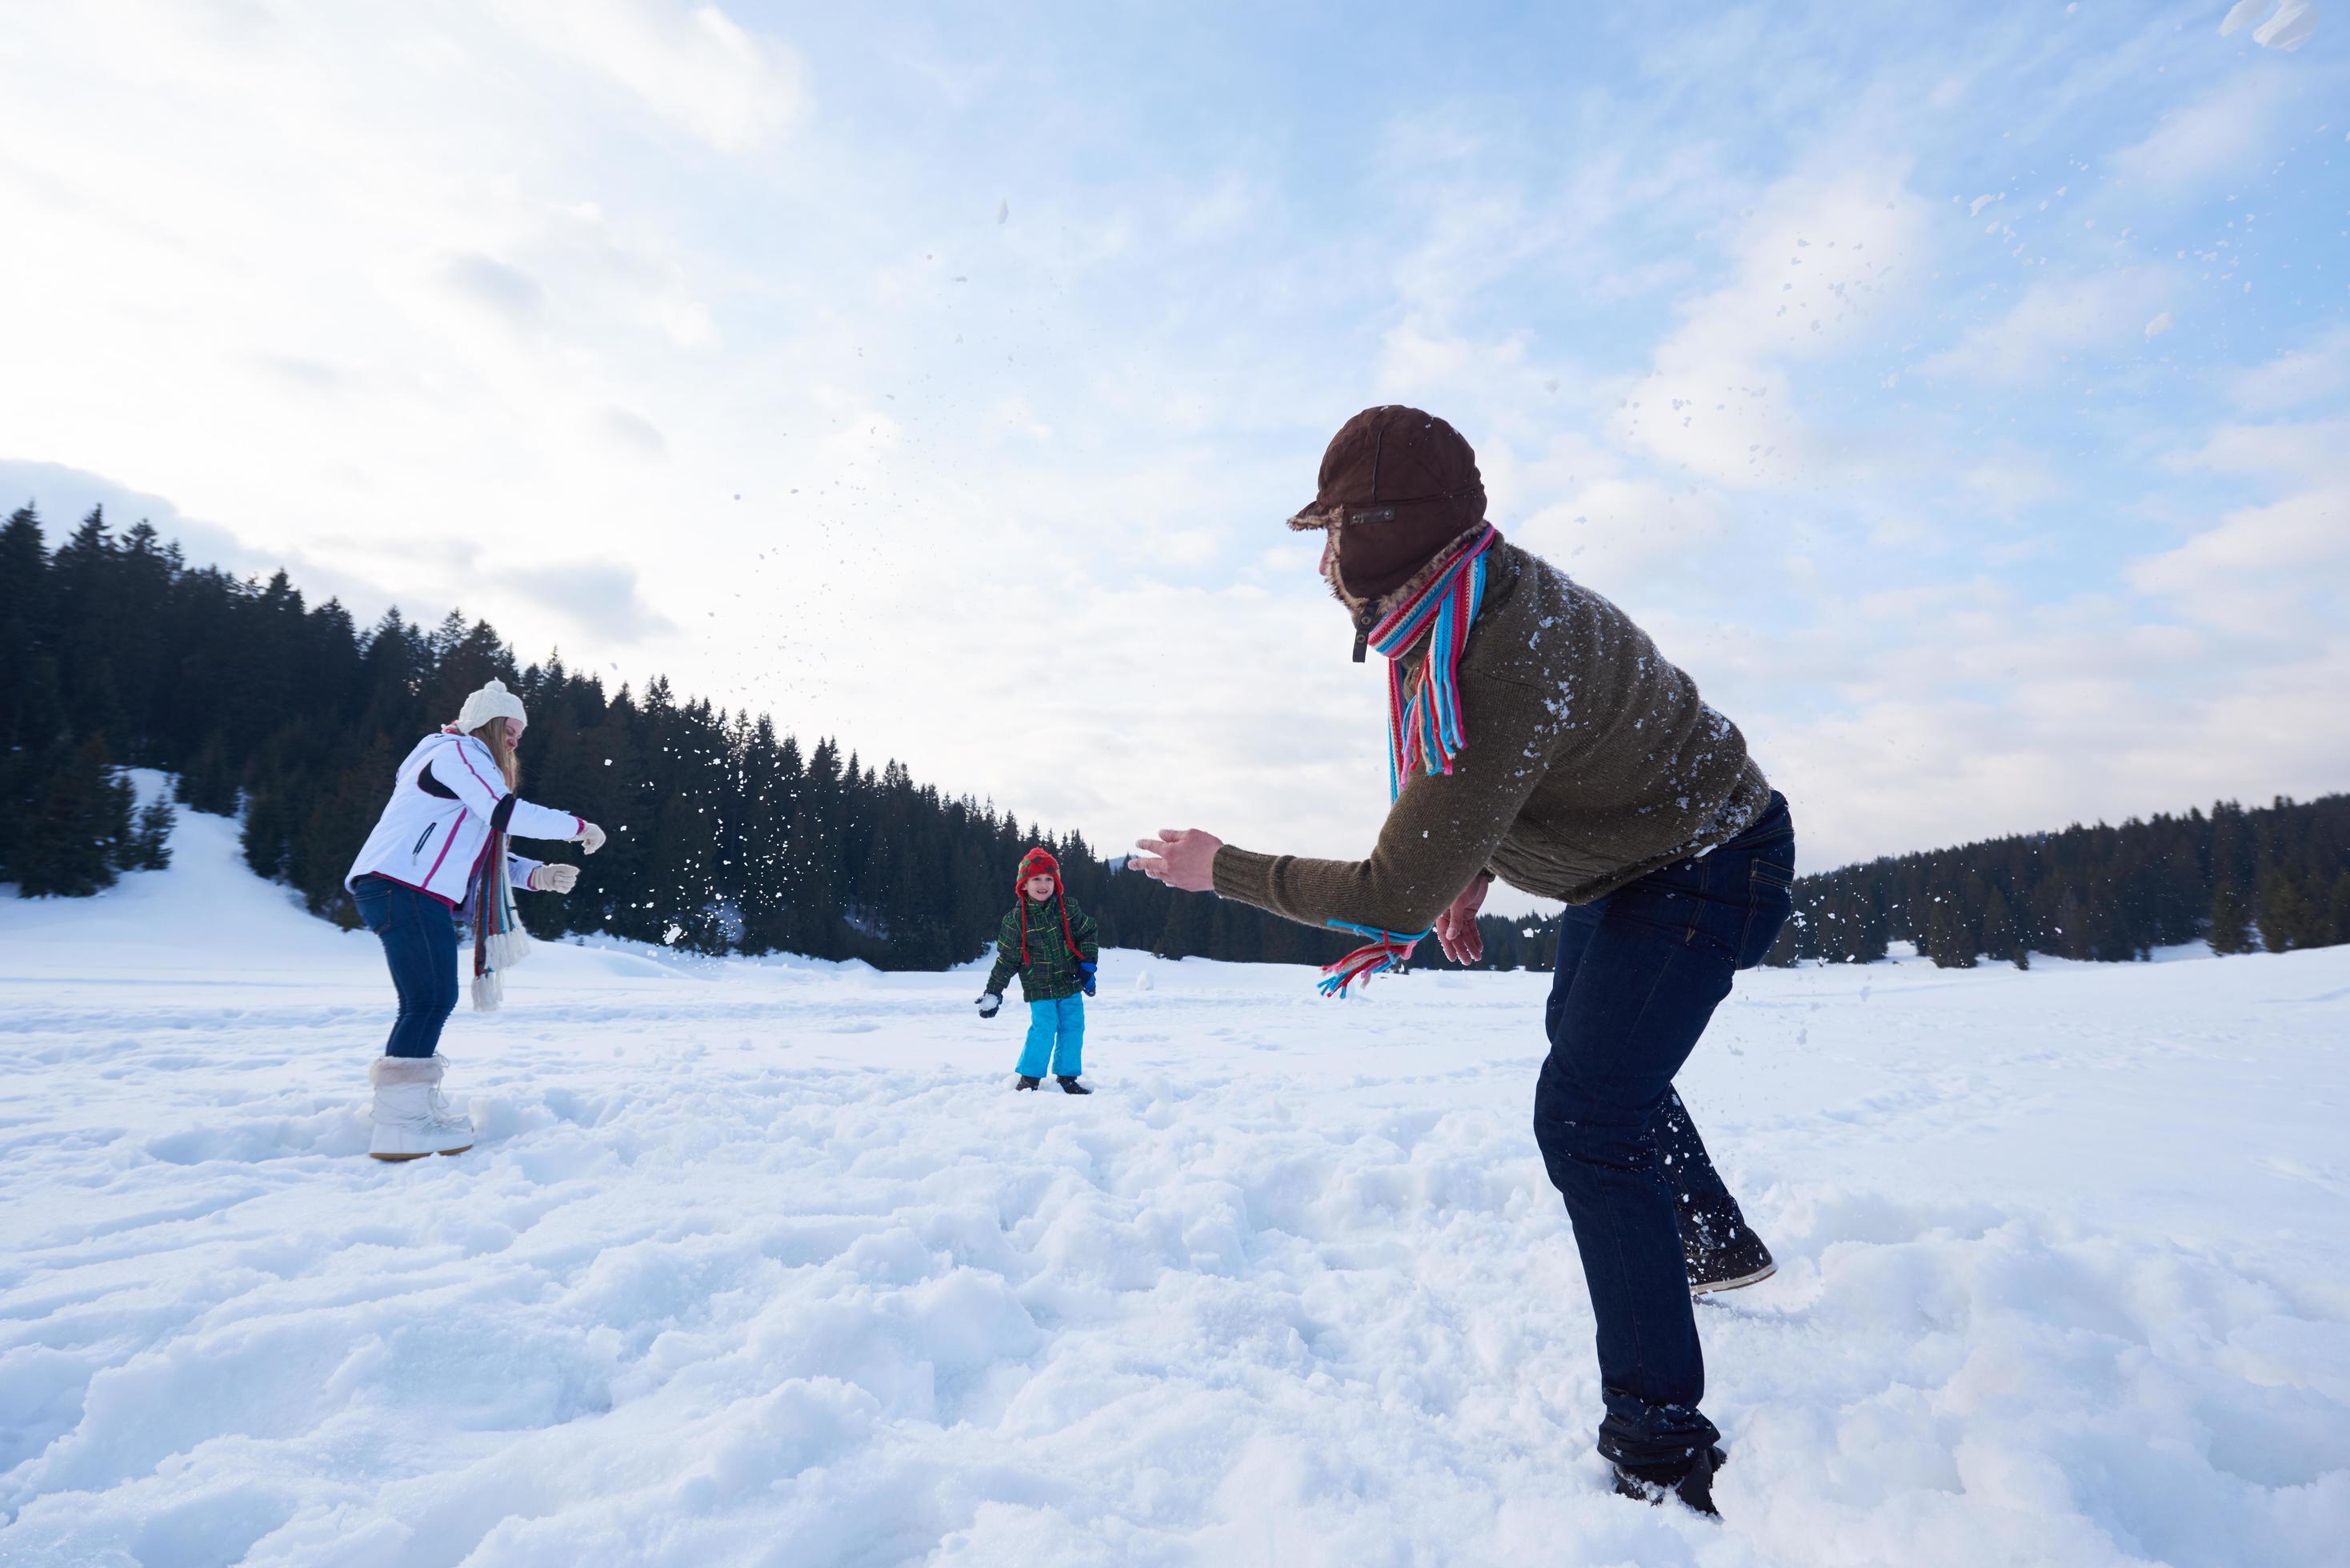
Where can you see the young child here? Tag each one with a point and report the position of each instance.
(1054, 947)
(439, 852)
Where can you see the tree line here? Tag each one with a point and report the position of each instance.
(729, 835)
(2276, 876)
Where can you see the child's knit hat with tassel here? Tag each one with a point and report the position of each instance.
(1039, 862)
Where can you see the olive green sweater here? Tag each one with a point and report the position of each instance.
(1591, 761)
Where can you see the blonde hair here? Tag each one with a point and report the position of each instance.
(493, 735)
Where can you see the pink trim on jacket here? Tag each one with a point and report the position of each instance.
(478, 779)
(436, 898)
(447, 839)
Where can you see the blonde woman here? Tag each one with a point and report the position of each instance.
(437, 854)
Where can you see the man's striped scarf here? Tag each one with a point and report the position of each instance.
(1424, 725)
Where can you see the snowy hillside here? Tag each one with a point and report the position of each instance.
(761, 1263)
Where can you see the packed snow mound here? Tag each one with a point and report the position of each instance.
(763, 1262)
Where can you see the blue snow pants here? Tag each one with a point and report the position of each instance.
(1064, 1020)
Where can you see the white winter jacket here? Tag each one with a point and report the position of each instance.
(436, 827)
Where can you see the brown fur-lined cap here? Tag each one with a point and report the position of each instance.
(1399, 484)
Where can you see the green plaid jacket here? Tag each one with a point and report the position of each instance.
(1050, 972)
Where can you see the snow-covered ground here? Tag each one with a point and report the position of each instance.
(762, 1262)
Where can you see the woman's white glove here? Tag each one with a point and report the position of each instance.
(591, 835)
(553, 878)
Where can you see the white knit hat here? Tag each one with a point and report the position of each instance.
(492, 701)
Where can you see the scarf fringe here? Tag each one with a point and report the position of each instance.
(499, 941)
(1386, 951)
(492, 957)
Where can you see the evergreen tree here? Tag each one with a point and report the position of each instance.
(2289, 918)
(2231, 923)
(75, 840)
(210, 782)
(24, 570)
(31, 708)
(2001, 939)
(150, 846)
(268, 831)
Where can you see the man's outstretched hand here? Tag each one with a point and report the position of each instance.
(1181, 858)
(1456, 929)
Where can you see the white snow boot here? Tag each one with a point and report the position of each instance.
(412, 1117)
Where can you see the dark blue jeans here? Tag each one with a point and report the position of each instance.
(1639, 974)
(419, 941)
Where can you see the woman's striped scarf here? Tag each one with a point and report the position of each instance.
(1424, 727)
(499, 941)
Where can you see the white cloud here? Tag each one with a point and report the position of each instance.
(1231, 204)
(2012, 480)
(2288, 29)
(692, 64)
(2225, 131)
(2243, 14)
(2274, 573)
(1817, 264)
(633, 432)
(1733, 423)
(2055, 321)
(1620, 531)
(604, 601)
(1812, 267)
(1418, 363)
(2297, 376)
(1966, 706)
(508, 290)
(2309, 452)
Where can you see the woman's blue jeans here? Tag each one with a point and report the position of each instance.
(1639, 974)
(419, 942)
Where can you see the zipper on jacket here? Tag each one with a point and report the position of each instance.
(417, 852)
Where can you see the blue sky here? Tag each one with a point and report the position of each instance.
(1957, 391)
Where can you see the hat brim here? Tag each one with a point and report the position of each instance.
(1314, 514)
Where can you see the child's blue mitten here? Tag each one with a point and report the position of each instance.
(1085, 975)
